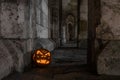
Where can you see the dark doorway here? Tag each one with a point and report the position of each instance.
(69, 23)
(68, 29)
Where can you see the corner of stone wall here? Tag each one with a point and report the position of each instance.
(44, 43)
(108, 62)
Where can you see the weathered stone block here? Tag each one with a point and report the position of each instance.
(108, 62)
(110, 17)
(18, 49)
(84, 10)
(13, 19)
(42, 32)
(44, 6)
(44, 43)
(6, 61)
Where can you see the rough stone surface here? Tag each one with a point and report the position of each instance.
(6, 61)
(14, 52)
(84, 10)
(21, 22)
(17, 53)
(13, 19)
(40, 9)
(109, 60)
(110, 25)
(42, 19)
(44, 43)
(83, 20)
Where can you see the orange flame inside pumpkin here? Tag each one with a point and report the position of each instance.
(42, 57)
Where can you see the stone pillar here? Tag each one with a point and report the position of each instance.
(23, 28)
(108, 62)
(42, 39)
(14, 28)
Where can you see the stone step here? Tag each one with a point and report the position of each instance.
(69, 56)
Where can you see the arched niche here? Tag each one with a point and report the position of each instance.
(70, 27)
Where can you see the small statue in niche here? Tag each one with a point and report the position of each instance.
(70, 28)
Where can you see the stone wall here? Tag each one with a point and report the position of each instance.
(109, 60)
(42, 18)
(109, 28)
(14, 19)
(54, 13)
(23, 28)
(39, 18)
(83, 29)
(13, 16)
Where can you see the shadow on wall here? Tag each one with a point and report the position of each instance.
(11, 58)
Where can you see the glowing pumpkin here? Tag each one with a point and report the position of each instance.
(41, 57)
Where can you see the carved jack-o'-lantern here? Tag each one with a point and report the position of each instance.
(41, 57)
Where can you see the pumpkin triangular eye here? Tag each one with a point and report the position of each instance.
(39, 52)
(47, 54)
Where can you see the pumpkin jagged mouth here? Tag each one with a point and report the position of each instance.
(43, 61)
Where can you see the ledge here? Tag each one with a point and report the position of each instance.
(44, 43)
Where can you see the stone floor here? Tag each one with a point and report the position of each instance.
(73, 72)
(67, 64)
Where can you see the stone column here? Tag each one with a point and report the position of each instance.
(16, 43)
(108, 62)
